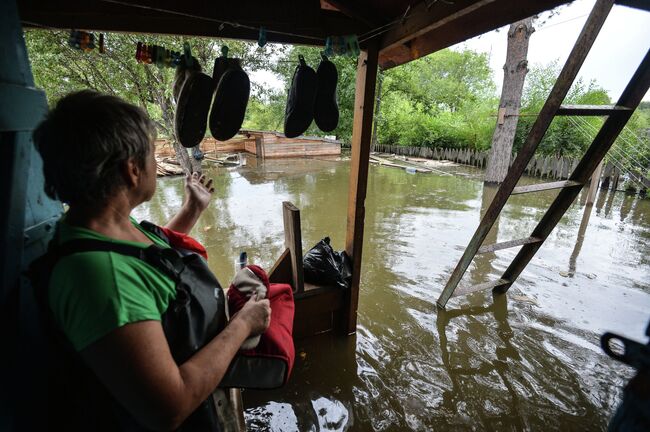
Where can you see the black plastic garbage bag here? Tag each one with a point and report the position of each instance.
(324, 266)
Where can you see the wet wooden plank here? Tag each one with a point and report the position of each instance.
(545, 186)
(293, 242)
(480, 287)
(507, 244)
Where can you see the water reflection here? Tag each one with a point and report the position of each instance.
(527, 360)
(455, 397)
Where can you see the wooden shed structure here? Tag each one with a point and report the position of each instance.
(390, 32)
(272, 144)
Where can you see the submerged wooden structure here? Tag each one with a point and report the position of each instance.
(391, 33)
(271, 144)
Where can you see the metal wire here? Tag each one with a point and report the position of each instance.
(202, 18)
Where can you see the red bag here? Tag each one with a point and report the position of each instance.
(268, 365)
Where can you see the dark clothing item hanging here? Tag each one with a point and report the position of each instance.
(326, 109)
(299, 111)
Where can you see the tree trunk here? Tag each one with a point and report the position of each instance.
(189, 164)
(514, 74)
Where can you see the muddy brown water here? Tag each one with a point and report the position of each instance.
(529, 360)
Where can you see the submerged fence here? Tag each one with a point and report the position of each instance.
(550, 167)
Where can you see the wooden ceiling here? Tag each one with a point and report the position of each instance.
(405, 30)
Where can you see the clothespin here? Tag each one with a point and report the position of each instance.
(187, 53)
(261, 39)
(301, 59)
(224, 51)
(138, 52)
(102, 48)
(160, 56)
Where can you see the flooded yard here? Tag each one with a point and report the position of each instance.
(529, 360)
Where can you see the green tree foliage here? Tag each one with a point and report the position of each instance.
(60, 69)
(446, 99)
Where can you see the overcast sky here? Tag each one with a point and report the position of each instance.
(618, 50)
(620, 46)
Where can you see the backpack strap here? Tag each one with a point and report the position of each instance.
(166, 260)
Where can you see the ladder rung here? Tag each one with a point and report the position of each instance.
(507, 244)
(545, 186)
(590, 110)
(480, 287)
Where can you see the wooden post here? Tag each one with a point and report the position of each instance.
(361, 140)
(293, 242)
(593, 185)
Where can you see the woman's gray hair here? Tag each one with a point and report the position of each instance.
(85, 142)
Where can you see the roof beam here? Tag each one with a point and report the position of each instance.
(429, 29)
(351, 9)
(305, 23)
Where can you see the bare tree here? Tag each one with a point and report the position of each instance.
(514, 74)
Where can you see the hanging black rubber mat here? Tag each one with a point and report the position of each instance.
(326, 109)
(300, 103)
(192, 109)
(230, 98)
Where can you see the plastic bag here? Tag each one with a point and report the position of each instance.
(324, 266)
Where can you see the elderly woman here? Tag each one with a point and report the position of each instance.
(98, 157)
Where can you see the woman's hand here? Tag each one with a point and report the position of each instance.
(256, 314)
(198, 191)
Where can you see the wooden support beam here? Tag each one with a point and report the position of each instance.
(364, 99)
(293, 242)
(432, 26)
(594, 183)
(353, 10)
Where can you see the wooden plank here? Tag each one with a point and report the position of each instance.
(301, 22)
(293, 242)
(589, 110)
(480, 287)
(507, 244)
(558, 93)
(612, 127)
(544, 186)
(594, 183)
(281, 271)
(432, 26)
(316, 309)
(364, 99)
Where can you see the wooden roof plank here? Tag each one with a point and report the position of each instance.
(428, 30)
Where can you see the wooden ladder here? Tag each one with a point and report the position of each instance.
(617, 117)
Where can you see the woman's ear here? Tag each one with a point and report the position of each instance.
(132, 173)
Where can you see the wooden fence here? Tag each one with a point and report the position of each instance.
(550, 167)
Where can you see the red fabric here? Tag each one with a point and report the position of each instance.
(277, 340)
(179, 240)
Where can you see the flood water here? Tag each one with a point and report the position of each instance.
(527, 360)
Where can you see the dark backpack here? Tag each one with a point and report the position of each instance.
(77, 399)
